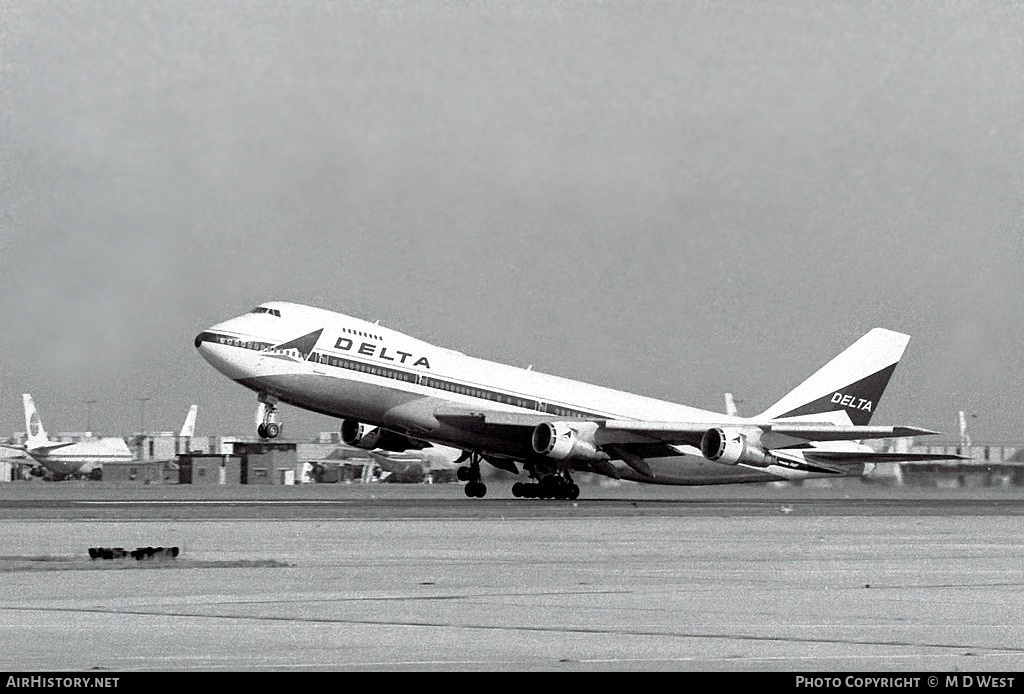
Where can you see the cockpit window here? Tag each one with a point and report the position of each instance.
(264, 309)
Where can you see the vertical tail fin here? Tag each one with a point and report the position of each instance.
(849, 386)
(188, 429)
(730, 405)
(33, 424)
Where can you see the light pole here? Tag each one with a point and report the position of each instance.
(142, 414)
(88, 414)
(965, 439)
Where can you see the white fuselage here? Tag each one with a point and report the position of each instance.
(361, 370)
(82, 457)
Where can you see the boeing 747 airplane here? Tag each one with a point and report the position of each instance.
(394, 392)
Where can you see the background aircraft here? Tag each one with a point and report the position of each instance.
(65, 459)
(436, 463)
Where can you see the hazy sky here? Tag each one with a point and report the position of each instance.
(673, 198)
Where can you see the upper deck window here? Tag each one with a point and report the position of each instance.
(264, 309)
(361, 333)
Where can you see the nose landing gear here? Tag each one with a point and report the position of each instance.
(267, 426)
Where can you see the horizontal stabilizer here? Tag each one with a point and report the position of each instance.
(868, 457)
(815, 432)
(627, 431)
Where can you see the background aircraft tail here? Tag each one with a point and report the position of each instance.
(849, 386)
(188, 429)
(33, 424)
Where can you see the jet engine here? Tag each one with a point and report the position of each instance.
(561, 440)
(733, 446)
(367, 437)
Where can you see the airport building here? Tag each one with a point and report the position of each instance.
(209, 469)
(278, 463)
(8, 470)
(139, 472)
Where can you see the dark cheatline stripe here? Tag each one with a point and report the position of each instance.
(221, 339)
(860, 398)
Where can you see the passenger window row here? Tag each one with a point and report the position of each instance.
(449, 386)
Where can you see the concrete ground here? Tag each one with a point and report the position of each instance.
(422, 578)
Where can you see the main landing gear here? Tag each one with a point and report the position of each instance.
(550, 484)
(267, 426)
(470, 474)
(558, 486)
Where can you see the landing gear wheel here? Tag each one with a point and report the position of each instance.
(555, 486)
(470, 474)
(267, 426)
(477, 489)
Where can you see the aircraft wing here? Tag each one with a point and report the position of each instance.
(44, 449)
(47, 447)
(617, 431)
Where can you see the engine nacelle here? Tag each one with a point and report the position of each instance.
(734, 446)
(368, 437)
(561, 440)
(360, 435)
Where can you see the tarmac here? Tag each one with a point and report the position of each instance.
(420, 578)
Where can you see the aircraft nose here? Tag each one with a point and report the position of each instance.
(199, 340)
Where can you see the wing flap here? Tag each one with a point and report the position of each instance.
(464, 417)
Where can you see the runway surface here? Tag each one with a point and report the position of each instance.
(420, 578)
